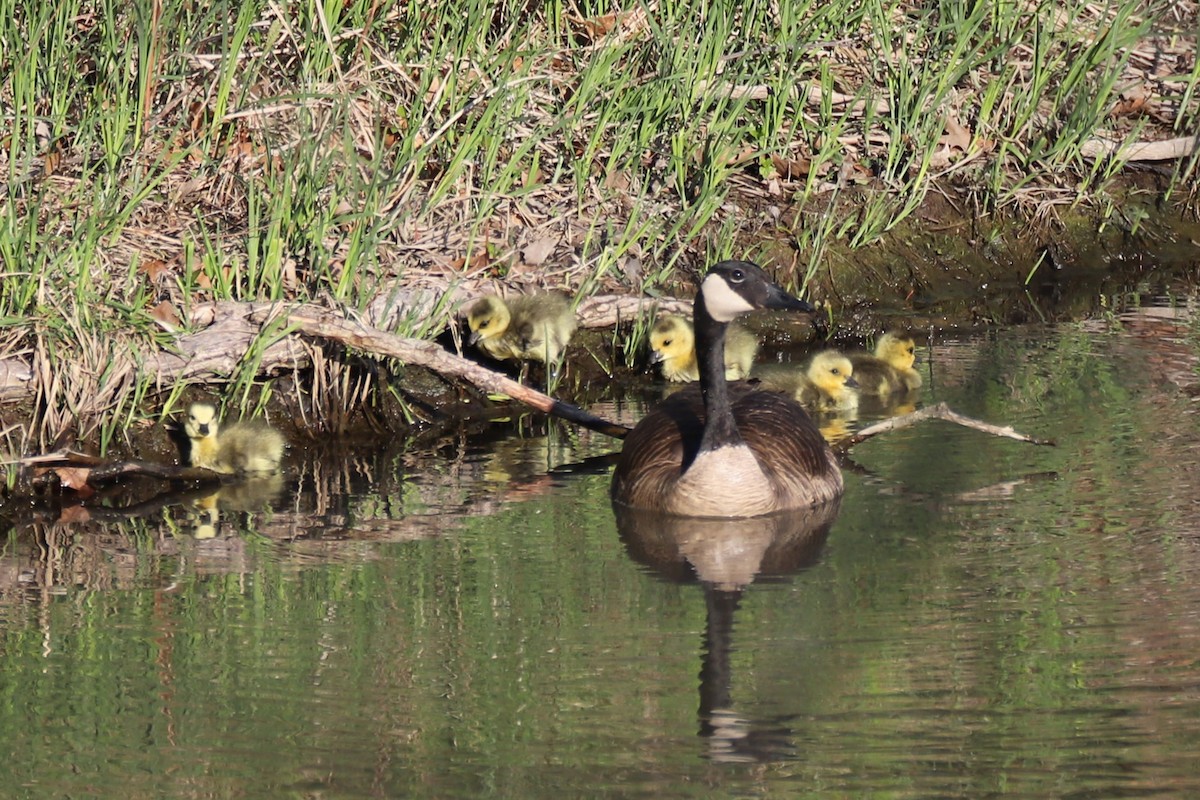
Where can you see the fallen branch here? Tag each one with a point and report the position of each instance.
(940, 411)
(326, 325)
(1167, 150)
(75, 470)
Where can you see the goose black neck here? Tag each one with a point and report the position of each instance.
(720, 430)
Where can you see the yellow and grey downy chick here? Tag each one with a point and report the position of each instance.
(826, 385)
(530, 327)
(890, 369)
(244, 448)
(673, 345)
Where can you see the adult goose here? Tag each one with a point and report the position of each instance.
(716, 450)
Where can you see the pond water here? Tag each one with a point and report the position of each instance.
(982, 616)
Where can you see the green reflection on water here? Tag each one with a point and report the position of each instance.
(984, 617)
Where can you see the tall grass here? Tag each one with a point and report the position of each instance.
(333, 151)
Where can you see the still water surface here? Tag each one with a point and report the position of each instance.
(982, 616)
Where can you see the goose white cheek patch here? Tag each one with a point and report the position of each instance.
(723, 303)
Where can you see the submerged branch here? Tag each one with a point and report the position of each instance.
(940, 411)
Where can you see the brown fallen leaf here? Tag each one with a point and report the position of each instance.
(75, 478)
(536, 253)
(957, 136)
(154, 269)
(74, 515)
(164, 313)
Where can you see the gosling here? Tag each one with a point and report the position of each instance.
(246, 448)
(673, 345)
(533, 327)
(826, 385)
(890, 370)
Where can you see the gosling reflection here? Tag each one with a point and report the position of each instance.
(250, 495)
(725, 556)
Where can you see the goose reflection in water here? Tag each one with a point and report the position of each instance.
(725, 556)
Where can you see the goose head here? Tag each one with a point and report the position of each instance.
(488, 318)
(201, 421)
(832, 373)
(896, 349)
(671, 338)
(732, 288)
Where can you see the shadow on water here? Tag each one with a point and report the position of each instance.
(726, 556)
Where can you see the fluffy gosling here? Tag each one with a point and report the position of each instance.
(673, 345)
(531, 327)
(890, 369)
(245, 448)
(827, 384)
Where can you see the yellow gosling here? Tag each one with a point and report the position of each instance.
(826, 385)
(890, 369)
(245, 448)
(673, 345)
(530, 327)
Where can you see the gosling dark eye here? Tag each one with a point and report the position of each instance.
(666, 342)
(836, 371)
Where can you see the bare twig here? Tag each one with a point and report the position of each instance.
(940, 411)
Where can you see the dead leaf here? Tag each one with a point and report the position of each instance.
(75, 515)
(791, 168)
(154, 269)
(73, 477)
(536, 253)
(53, 159)
(164, 313)
(957, 136)
(1133, 102)
(480, 259)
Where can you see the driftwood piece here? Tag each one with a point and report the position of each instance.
(101, 471)
(608, 310)
(326, 325)
(1167, 150)
(939, 411)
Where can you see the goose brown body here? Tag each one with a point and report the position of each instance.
(665, 445)
(715, 450)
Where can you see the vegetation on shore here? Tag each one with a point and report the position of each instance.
(391, 158)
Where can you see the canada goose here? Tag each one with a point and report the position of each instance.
(535, 326)
(716, 450)
(245, 448)
(826, 384)
(673, 344)
(890, 369)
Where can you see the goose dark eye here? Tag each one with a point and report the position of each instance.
(737, 276)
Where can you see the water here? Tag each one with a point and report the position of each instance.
(981, 617)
